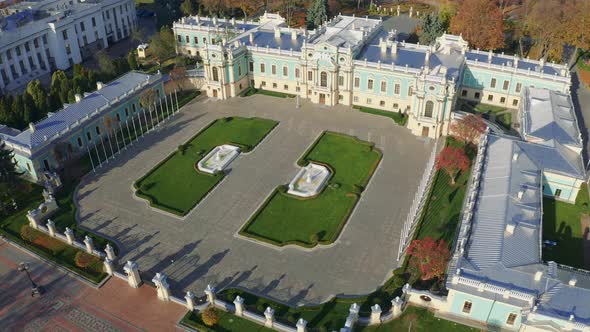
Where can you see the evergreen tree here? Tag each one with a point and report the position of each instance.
(317, 13)
(39, 96)
(29, 110)
(132, 60)
(17, 112)
(432, 27)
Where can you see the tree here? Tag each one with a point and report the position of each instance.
(214, 7)
(577, 29)
(248, 7)
(428, 258)
(147, 98)
(481, 23)
(177, 76)
(162, 44)
(132, 60)
(317, 13)
(8, 172)
(210, 316)
(29, 110)
(432, 28)
(468, 129)
(105, 63)
(545, 24)
(452, 160)
(188, 7)
(39, 96)
(138, 35)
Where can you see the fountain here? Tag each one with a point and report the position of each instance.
(309, 181)
(218, 159)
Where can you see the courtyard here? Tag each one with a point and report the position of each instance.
(204, 247)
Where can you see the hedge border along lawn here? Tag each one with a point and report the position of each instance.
(175, 186)
(285, 219)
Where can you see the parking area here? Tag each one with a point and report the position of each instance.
(204, 248)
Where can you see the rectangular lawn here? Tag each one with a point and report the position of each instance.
(286, 219)
(176, 186)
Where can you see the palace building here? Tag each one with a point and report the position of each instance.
(353, 61)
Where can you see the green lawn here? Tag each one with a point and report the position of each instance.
(62, 254)
(398, 117)
(227, 323)
(561, 223)
(444, 203)
(285, 219)
(416, 319)
(176, 186)
(505, 120)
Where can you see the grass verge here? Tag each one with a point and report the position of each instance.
(175, 186)
(397, 117)
(285, 219)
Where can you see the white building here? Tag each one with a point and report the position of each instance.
(39, 37)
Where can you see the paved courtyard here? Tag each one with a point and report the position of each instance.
(69, 305)
(204, 247)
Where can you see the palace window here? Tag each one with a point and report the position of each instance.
(518, 87)
(118, 117)
(369, 101)
(477, 95)
(370, 84)
(273, 69)
(382, 103)
(286, 87)
(503, 100)
(357, 82)
(397, 88)
(395, 106)
(274, 85)
(490, 97)
(126, 111)
(467, 307)
(383, 86)
(410, 91)
(340, 80)
(493, 84)
(263, 83)
(251, 66)
(355, 99)
(262, 68)
(429, 109)
(204, 40)
(80, 144)
(297, 73)
(463, 93)
(239, 70)
(324, 79)
(310, 75)
(89, 136)
(133, 107)
(285, 71)
(514, 102)
(511, 319)
(196, 40)
(340, 97)
(557, 192)
(179, 37)
(506, 85)
(215, 74)
(97, 130)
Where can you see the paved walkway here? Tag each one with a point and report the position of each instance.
(203, 248)
(69, 305)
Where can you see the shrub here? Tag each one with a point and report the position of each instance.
(182, 149)
(314, 238)
(50, 244)
(210, 316)
(29, 234)
(357, 189)
(260, 307)
(323, 328)
(335, 185)
(83, 259)
(291, 318)
(228, 119)
(146, 186)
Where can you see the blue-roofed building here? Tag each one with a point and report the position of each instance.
(74, 129)
(354, 61)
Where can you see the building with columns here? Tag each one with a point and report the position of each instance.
(39, 37)
(353, 61)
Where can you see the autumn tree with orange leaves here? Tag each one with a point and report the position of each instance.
(428, 258)
(468, 129)
(481, 23)
(452, 160)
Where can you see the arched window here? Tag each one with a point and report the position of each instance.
(429, 109)
(297, 74)
(324, 79)
(215, 74)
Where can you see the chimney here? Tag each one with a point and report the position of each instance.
(538, 275)
(99, 85)
(78, 97)
(510, 228)
(277, 32)
(215, 20)
(251, 38)
(32, 127)
(573, 281)
(293, 34)
(542, 62)
(516, 59)
(382, 45)
(394, 47)
(490, 54)
(520, 194)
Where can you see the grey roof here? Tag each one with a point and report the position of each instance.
(267, 38)
(508, 60)
(549, 115)
(72, 115)
(345, 31)
(222, 24)
(504, 228)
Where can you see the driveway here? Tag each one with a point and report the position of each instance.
(203, 248)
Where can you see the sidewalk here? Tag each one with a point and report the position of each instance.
(69, 305)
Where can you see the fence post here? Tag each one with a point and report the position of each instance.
(210, 291)
(239, 304)
(108, 266)
(51, 227)
(89, 244)
(162, 286)
(133, 277)
(108, 249)
(69, 233)
(269, 314)
(301, 325)
(190, 301)
(375, 315)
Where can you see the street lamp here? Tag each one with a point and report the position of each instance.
(35, 290)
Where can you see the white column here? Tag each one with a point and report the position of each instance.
(162, 286)
(239, 304)
(32, 220)
(210, 291)
(375, 315)
(89, 244)
(190, 301)
(51, 227)
(132, 271)
(301, 325)
(69, 236)
(110, 252)
(7, 66)
(396, 306)
(108, 266)
(269, 314)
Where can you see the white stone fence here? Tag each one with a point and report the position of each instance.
(417, 205)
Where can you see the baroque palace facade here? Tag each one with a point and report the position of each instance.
(354, 61)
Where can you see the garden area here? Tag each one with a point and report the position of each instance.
(252, 91)
(499, 115)
(397, 117)
(176, 186)
(584, 68)
(416, 319)
(223, 322)
(566, 224)
(286, 219)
